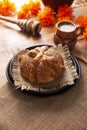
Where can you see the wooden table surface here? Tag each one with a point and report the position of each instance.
(22, 111)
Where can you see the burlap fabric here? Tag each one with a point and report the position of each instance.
(22, 111)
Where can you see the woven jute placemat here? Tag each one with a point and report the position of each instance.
(67, 78)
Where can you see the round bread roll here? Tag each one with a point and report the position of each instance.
(41, 64)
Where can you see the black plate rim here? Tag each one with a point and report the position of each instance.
(46, 92)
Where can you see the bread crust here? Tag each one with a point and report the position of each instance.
(41, 64)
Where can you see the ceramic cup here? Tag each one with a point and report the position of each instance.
(67, 32)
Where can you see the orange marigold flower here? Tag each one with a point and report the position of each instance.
(34, 6)
(24, 12)
(7, 8)
(28, 9)
(82, 20)
(64, 18)
(1, 11)
(46, 17)
(22, 15)
(65, 12)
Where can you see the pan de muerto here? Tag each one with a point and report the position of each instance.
(41, 64)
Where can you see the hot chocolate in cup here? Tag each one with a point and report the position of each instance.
(68, 29)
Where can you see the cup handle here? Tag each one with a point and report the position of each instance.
(79, 30)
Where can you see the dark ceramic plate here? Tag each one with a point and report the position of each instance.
(46, 92)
